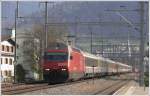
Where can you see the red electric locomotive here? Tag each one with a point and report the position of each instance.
(63, 64)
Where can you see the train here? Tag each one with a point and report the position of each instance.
(70, 63)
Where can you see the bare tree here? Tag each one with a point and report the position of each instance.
(56, 34)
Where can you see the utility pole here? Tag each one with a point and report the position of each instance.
(45, 27)
(91, 48)
(141, 64)
(15, 59)
(129, 49)
(44, 38)
(76, 29)
(89, 28)
(101, 39)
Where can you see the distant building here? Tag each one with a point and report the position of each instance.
(6, 60)
(26, 52)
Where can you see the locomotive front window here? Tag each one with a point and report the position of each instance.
(56, 56)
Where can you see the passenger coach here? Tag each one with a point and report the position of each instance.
(71, 64)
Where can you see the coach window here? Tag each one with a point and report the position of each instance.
(2, 47)
(71, 57)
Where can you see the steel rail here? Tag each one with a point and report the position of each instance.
(30, 88)
(23, 88)
(109, 90)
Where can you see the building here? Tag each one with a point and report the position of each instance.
(7, 60)
(26, 53)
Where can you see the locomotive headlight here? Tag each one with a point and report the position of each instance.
(63, 69)
(47, 69)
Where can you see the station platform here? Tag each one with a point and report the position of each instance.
(133, 88)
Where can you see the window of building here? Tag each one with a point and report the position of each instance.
(1, 61)
(17, 46)
(5, 73)
(10, 61)
(1, 73)
(12, 49)
(7, 48)
(9, 73)
(6, 60)
(2, 47)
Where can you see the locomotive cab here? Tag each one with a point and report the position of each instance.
(63, 65)
(55, 66)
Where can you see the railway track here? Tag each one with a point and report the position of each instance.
(20, 89)
(3, 86)
(109, 90)
(23, 88)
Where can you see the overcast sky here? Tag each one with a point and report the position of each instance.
(85, 11)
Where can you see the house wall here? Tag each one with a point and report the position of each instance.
(6, 61)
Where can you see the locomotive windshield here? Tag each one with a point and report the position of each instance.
(55, 56)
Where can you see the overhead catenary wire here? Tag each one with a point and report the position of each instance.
(92, 23)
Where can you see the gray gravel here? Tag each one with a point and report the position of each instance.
(74, 89)
(83, 88)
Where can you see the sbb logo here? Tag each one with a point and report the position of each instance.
(61, 64)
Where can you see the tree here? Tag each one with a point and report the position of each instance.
(33, 49)
(55, 34)
(20, 75)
